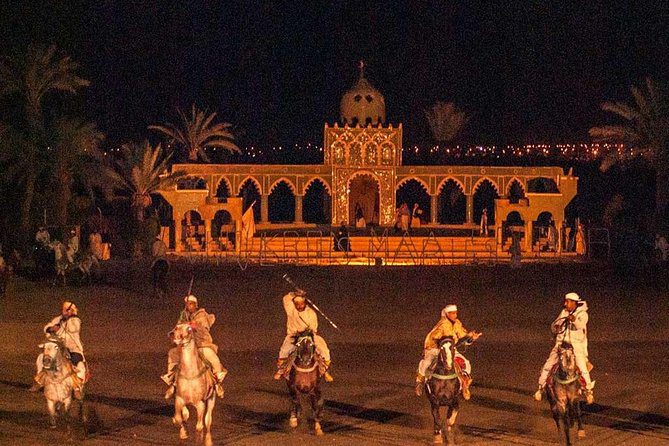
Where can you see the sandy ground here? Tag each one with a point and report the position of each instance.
(384, 314)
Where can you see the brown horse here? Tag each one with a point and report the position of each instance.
(564, 393)
(194, 386)
(304, 378)
(444, 389)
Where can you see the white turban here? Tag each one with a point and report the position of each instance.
(190, 298)
(572, 296)
(448, 309)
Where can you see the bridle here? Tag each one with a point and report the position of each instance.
(299, 344)
(447, 347)
(570, 375)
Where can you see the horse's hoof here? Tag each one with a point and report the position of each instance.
(183, 435)
(438, 439)
(293, 422)
(174, 421)
(318, 429)
(581, 433)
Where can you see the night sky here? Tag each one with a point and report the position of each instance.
(529, 71)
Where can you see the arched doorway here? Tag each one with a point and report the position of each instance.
(414, 192)
(452, 204)
(363, 195)
(316, 203)
(512, 223)
(223, 191)
(221, 224)
(544, 232)
(484, 198)
(516, 192)
(281, 204)
(193, 231)
(250, 193)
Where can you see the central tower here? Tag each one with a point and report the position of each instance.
(363, 153)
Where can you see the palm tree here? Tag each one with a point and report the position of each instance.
(199, 132)
(645, 134)
(140, 171)
(446, 121)
(32, 77)
(74, 141)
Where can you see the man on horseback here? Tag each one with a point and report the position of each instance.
(570, 327)
(201, 322)
(448, 325)
(66, 326)
(299, 318)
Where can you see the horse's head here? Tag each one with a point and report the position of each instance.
(305, 348)
(446, 352)
(182, 334)
(567, 359)
(52, 353)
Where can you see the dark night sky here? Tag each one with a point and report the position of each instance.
(531, 71)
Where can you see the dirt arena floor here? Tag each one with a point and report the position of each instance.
(383, 314)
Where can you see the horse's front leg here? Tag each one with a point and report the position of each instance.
(564, 424)
(51, 407)
(436, 416)
(317, 407)
(199, 406)
(576, 410)
(178, 417)
(452, 415)
(295, 404)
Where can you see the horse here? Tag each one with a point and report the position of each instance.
(444, 389)
(62, 263)
(304, 378)
(87, 264)
(563, 392)
(194, 386)
(59, 382)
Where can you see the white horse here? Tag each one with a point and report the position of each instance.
(62, 262)
(59, 380)
(194, 386)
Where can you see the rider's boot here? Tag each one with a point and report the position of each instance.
(220, 376)
(326, 375)
(77, 387)
(420, 384)
(589, 396)
(168, 378)
(279, 368)
(466, 382)
(39, 382)
(170, 391)
(539, 393)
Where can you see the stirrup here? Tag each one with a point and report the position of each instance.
(538, 395)
(327, 377)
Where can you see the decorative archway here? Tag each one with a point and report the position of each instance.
(515, 191)
(281, 203)
(542, 226)
(249, 191)
(223, 191)
(411, 192)
(363, 193)
(191, 183)
(316, 203)
(484, 198)
(221, 223)
(452, 203)
(192, 227)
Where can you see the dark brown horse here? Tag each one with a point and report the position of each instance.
(305, 378)
(564, 393)
(443, 390)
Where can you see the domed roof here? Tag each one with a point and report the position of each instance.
(363, 103)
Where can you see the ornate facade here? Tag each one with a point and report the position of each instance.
(362, 176)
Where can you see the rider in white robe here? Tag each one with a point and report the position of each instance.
(300, 317)
(571, 327)
(67, 327)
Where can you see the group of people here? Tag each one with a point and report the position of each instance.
(570, 327)
(406, 219)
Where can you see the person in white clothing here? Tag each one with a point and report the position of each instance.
(300, 318)
(67, 327)
(570, 327)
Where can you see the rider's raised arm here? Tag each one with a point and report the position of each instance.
(288, 302)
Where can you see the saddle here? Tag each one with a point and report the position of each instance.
(554, 370)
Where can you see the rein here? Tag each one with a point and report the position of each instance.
(444, 377)
(310, 369)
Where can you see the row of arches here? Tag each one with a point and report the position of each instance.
(223, 189)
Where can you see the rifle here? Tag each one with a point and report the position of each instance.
(287, 278)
